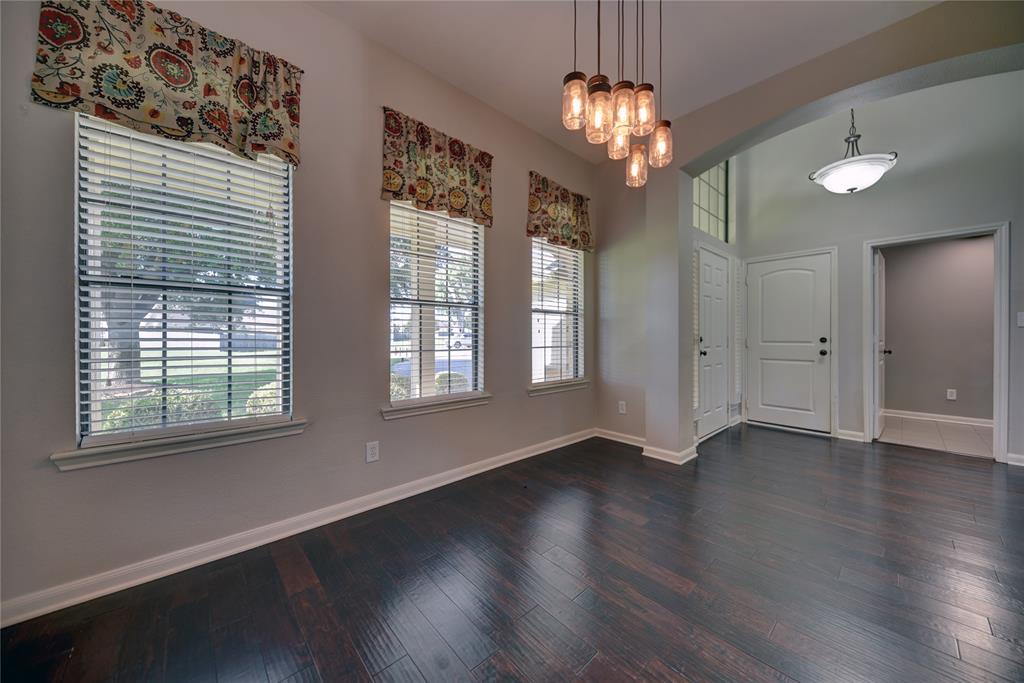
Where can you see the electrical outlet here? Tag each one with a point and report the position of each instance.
(950, 394)
(622, 407)
(372, 451)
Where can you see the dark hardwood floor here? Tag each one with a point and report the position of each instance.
(772, 557)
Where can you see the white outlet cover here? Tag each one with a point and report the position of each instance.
(372, 451)
(622, 407)
(950, 394)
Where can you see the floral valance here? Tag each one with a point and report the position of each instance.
(156, 71)
(434, 170)
(559, 215)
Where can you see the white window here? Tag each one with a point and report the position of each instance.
(557, 312)
(437, 285)
(711, 201)
(183, 285)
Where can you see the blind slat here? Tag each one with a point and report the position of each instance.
(184, 283)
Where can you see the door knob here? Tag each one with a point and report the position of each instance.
(823, 352)
(887, 352)
(823, 340)
(703, 353)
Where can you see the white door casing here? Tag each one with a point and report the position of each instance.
(879, 267)
(713, 342)
(789, 367)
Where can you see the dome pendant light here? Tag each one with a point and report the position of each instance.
(574, 89)
(855, 171)
(599, 98)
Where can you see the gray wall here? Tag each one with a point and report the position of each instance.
(58, 527)
(938, 323)
(961, 163)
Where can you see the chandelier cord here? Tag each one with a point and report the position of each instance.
(574, 65)
(643, 37)
(661, 84)
(636, 31)
(598, 36)
(619, 26)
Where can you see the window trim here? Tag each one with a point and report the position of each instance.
(582, 381)
(95, 450)
(155, 447)
(412, 407)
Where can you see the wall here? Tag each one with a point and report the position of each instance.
(58, 527)
(938, 323)
(961, 164)
(621, 291)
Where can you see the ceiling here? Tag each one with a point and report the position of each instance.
(513, 55)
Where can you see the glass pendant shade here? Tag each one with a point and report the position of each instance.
(854, 174)
(618, 145)
(623, 107)
(574, 100)
(661, 145)
(643, 121)
(636, 166)
(599, 110)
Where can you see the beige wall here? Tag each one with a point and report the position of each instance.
(938, 323)
(58, 527)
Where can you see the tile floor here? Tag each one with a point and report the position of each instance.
(954, 437)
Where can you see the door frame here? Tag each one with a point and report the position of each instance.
(731, 313)
(833, 254)
(1001, 338)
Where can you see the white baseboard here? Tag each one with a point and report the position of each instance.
(850, 435)
(934, 417)
(51, 599)
(676, 458)
(1015, 459)
(620, 437)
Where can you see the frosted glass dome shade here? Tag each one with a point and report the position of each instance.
(855, 173)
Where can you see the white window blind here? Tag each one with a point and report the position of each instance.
(183, 281)
(436, 304)
(711, 201)
(556, 312)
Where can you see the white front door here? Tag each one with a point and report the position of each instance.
(879, 267)
(789, 358)
(712, 342)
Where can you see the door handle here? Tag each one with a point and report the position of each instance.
(887, 352)
(823, 352)
(703, 353)
(823, 339)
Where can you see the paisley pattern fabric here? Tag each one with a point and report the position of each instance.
(561, 216)
(156, 71)
(434, 171)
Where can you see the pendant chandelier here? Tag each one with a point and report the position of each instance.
(614, 115)
(855, 171)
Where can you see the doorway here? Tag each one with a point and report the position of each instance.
(712, 341)
(936, 339)
(791, 340)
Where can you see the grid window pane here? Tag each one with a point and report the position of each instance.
(711, 201)
(436, 304)
(557, 314)
(183, 285)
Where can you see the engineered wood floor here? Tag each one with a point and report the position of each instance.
(772, 557)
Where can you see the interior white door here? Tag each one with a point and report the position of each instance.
(712, 342)
(879, 398)
(789, 357)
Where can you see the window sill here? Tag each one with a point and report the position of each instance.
(557, 387)
(97, 456)
(413, 407)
